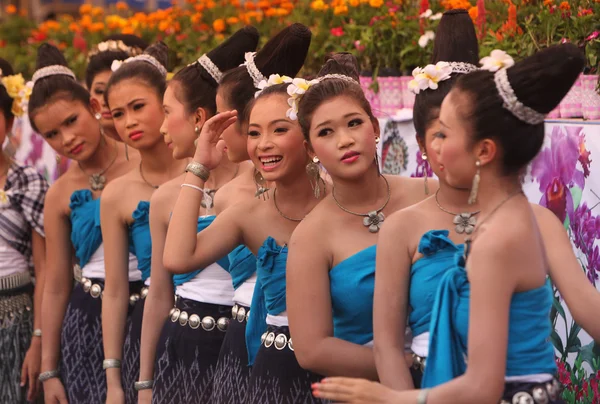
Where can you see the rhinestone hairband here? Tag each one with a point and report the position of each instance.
(114, 46)
(462, 67)
(253, 71)
(143, 58)
(512, 103)
(54, 70)
(210, 67)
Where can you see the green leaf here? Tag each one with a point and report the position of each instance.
(576, 193)
(557, 342)
(590, 353)
(558, 307)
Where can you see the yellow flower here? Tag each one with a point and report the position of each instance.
(232, 20)
(11, 9)
(122, 6)
(170, 75)
(219, 25)
(376, 3)
(13, 84)
(85, 9)
(340, 10)
(318, 5)
(354, 3)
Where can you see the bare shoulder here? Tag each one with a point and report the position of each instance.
(546, 220)
(164, 198)
(117, 189)
(316, 224)
(58, 196)
(408, 217)
(410, 190)
(237, 190)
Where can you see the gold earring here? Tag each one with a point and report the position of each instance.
(314, 176)
(425, 172)
(475, 186)
(261, 185)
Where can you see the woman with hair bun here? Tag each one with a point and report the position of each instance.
(60, 110)
(98, 72)
(187, 348)
(492, 308)
(22, 246)
(134, 95)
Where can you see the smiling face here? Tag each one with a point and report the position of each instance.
(233, 136)
(97, 98)
(342, 136)
(69, 127)
(137, 113)
(275, 143)
(178, 126)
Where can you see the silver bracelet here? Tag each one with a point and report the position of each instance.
(422, 397)
(198, 170)
(143, 385)
(193, 187)
(111, 363)
(37, 333)
(50, 374)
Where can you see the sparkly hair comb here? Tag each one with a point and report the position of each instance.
(298, 87)
(114, 46)
(116, 64)
(54, 70)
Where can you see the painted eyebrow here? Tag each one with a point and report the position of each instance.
(329, 122)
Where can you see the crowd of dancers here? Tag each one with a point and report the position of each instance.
(217, 236)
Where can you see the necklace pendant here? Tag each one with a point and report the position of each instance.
(97, 182)
(373, 221)
(465, 223)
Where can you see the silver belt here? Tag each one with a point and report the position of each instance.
(419, 362)
(208, 323)
(95, 290)
(239, 313)
(280, 341)
(15, 281)
(537, 395)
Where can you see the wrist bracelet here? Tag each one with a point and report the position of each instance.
(198, 170)
(51, 374)
(37, 333)
(111, 363)
(143, 385)
(193, 187)
(422, 397)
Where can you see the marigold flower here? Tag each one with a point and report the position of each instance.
(473, 13)
(282, 12)
(376, 3)
(547, 2)
(318, 5)
(340, 10)
(287, 5)
(249, 5)
(122, 6)
(127, 30)
(97, 11)
(271, 12)
(264, 4)
(11, 9)
(97, 27)
(219, 25)
(211, 4)
(565, 6)
(85, 9)
(232, 20)
(354, 3)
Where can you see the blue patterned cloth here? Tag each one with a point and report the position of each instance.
(140, 242)
(86, 234)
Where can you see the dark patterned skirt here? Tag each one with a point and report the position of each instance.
(188, 351)
(16, 326)
(232, 373)
(276, 376)
(82, 351)
(131, 352)
(534, 393)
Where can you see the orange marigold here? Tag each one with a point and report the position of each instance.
(97, 27)
(249, 5)
(85, 9)
(453, 4)
(376, 3)
(127, 30)
(473, 13)
(264, 4)
(232, 20)
(282, 12)
(340, 10)
(11, 9)
(97, 11)
(318, 5)
(271, 12)
(196, 18)
(211, 4)
(565, 6)
(122, 6)
(73, 27)
(547, 2)
(287, 5)
(354, 3)
(219, 25)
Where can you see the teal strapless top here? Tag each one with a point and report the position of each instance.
(86, 235)
(140, 242)
(269, 292)
(529, 348)
(425, 275)
(352, 283)
(242, 265)
(180, 279)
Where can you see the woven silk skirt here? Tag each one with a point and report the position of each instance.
(188, 351)
(232, 373)
(131, 349)
(276, 376)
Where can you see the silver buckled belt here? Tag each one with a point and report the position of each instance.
(95, 290)
(15, 281)
(208, 323)
(418, 362)
(280, 341)
(541, 394)
(239, 313)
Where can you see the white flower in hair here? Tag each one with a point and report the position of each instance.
(429, 76)
(116, 64)
(425, 38)
(497, 60)
(296, 90)
(273, 80)
(426, 14)
(437, 16)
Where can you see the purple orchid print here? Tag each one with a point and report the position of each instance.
(555, 168)
(423, 168)
(585, 229)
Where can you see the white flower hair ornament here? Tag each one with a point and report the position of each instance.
(429, 77)
(497, 60)
(273, 80)
(116, 64)
(299, 87)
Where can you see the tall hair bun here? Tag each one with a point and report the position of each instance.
(6, 68)
(160, 51)
(541, 80)
(49, 55)
(231, 53)
(286, 52)
(341, 63)
(456, 39)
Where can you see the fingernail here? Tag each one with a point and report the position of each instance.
(316, 393)
(325, 380)
(315, 385)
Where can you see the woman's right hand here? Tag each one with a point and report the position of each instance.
(145, 396)
(210, 146)
(54, 392)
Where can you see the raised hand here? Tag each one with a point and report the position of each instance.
(210, 146)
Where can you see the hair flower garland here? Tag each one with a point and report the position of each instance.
(296, 90)
(497, 60)
(19, 91)
(116, 64)
(429, 76)
(273, 80)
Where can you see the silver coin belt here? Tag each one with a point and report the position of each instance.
(208, 323)
(279, 341)
(239, 313)
(12, 307)
(537, 395)
(95, 290)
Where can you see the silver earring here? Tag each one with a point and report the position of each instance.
(475, 186)
(197, 130)
(261, 185)
(425, 172)
(98, 116)
(377, 140)
(314, 176)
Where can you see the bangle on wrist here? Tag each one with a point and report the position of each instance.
(143, 385)
(193, 187)
(37, 333)
(199, 170)
(422, 397)
(111, 363)
(50, 374)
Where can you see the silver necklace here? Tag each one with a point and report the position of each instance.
(144, 178)
(208, 201)
(279, 210)
(98, 181)
(464, 222)
(373, 219)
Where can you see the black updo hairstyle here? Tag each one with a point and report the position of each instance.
(340, 63)
(540, 82)
(196, 88)
(455, 41)
(6, 102)
(55, 87)
(102, 61)
(143, 71)
(283, 54)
